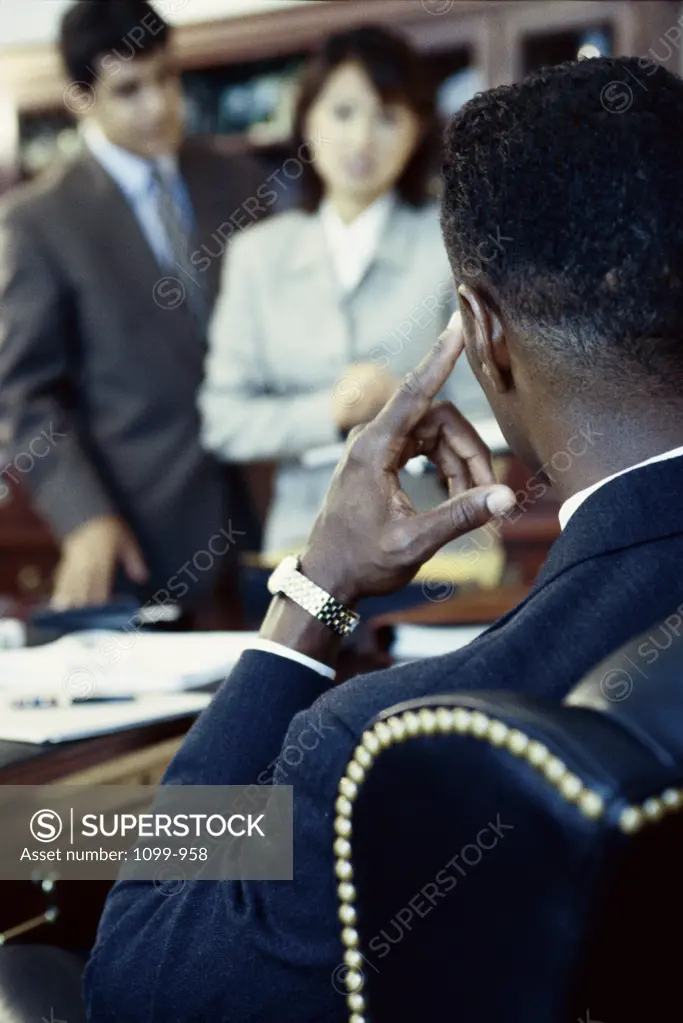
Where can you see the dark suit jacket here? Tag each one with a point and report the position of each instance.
(98, 381)
(259, 952)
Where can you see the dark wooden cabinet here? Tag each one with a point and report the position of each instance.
(28, 552)
(530, 529)
(497, 40)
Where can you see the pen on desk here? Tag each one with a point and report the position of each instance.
(102, 699)
(36, 701)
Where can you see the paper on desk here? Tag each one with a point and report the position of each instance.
(83, 720)
(111, 663)
(412, 642)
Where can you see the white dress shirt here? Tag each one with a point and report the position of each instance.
(352, 246)
(576, 500)
(133, 175)
(270, 647)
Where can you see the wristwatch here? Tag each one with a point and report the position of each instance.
(287, 580)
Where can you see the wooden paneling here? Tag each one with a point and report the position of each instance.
(28, 554)
(32, 80)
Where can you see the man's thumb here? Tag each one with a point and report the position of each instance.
(458, 516)
(475, 507)
(500, 499)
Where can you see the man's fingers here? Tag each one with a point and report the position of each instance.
(99, 589)
(415, 395)
(451, 442)
(97, 579)
(463, 440)
(429, 531)
(454, 470)
(81, 582)
(62, 593)
(423, 440)
(133, 562)
(74, 589)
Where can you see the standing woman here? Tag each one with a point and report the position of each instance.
(325, 308)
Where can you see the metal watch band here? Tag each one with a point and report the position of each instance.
(287, 579)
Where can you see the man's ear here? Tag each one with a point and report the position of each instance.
(485, 339)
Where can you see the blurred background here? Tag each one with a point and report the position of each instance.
(241, 58)
(240, 63)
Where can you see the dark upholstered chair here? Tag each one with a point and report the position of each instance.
(40, 983)
(511, 860)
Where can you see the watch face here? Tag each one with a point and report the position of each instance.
(282, 573)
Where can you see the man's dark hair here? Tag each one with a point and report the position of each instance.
(563, 204)
(400, 75)
(93, 28)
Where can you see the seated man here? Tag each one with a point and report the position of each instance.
(573, 325)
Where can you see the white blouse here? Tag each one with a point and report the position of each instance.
(352, 247)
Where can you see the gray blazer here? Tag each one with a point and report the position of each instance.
(89, 359)
(282, 337)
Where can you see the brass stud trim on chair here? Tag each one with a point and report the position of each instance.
(442, 721)
(633, 818)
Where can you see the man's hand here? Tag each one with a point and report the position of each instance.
(368, 539)
(360, 393)
(89, 557)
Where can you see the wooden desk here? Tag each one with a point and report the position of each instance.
(135, 756)
(28, 764)
(470, 607)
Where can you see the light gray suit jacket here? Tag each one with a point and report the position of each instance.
(282, 336)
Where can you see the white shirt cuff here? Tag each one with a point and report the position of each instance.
(269, 647)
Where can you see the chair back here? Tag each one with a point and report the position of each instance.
(507, 858)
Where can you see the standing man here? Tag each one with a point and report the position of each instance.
(104, 304)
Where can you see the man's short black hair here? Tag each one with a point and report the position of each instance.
(93, 28)
(564, 199)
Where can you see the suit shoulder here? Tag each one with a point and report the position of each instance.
(359, 700)
(32, 201)
(272, 237)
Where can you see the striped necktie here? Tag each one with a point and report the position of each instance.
(180, 245)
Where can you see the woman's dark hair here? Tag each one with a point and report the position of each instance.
(93, 28)
(399, 74)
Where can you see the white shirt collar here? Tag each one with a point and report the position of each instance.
(353, 246)
(131, 173)
(576, 500)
